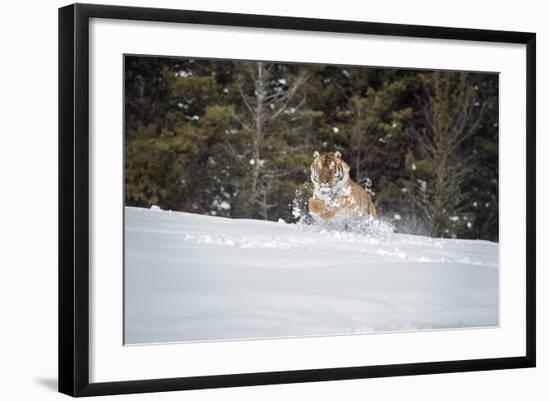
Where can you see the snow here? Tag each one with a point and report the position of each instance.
(423, 184)
(192, 277)
(183, 74)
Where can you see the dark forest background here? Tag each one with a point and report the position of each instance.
(235, 139)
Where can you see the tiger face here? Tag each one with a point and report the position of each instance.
(328, 172)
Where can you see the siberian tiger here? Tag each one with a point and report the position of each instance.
(335, 193)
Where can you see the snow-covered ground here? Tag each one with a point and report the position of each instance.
(192, 277)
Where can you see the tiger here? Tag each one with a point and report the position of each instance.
(334, 192)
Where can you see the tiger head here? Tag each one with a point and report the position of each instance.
(329, 172)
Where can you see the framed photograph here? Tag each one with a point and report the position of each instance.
(250, 199)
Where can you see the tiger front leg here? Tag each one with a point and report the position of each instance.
(318, 208)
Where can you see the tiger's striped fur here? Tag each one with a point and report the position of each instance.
(335, 193)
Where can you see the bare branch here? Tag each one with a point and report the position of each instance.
(248, 106)
(290, 94)
(474, 127)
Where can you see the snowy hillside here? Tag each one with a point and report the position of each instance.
(192, 277)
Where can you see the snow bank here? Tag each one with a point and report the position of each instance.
(191, 277)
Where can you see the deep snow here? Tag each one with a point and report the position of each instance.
(192, 277)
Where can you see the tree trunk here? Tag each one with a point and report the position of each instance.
(260, 93)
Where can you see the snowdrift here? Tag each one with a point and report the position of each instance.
(192, 277)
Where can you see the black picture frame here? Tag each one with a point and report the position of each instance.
(74, 203)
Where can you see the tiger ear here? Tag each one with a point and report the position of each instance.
(316, 154)
(338, 155)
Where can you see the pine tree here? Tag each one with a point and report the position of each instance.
(268, 93)
(451, 113)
